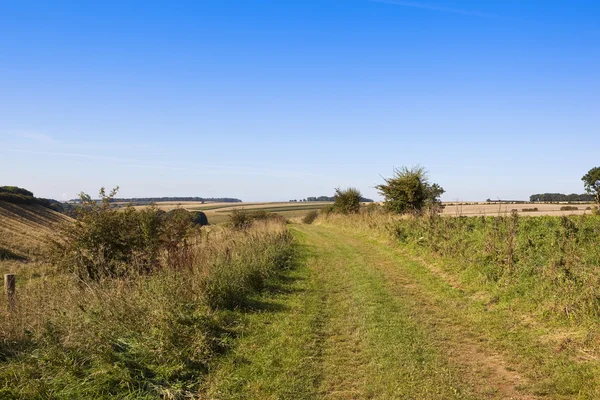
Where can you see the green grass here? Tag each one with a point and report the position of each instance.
(143, 337)
(337, 331)
(554, 354)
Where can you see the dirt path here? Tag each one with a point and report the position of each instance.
(354, 324)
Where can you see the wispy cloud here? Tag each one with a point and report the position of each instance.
(115, 160)
(433, 7)
(37, 137)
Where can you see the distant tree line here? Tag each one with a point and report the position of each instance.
(556, 197)
(17, 195)
(330, 198)
(149, 200)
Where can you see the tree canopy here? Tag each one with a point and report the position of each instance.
(591, 182)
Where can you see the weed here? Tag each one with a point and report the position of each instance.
(310, 217)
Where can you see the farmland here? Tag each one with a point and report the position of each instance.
(218, 213)
(490, 209)
(367, 305)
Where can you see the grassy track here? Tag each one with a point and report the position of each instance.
(338, 330)
(359, 319)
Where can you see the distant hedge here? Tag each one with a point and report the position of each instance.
(15, 190)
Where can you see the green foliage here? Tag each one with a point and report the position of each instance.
(347, 201)
(16, 190)
(557, 256)
(409, 191)
(328, 209)
(240, 218)
(310, 217)
(240, 271)
(558, 197)
(332, 198)
(145, 337)
(17, 195)
(105, 242)
(591, 182)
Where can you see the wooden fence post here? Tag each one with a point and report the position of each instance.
(9, 288)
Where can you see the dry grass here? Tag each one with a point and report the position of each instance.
(24, 227)
(147, 336)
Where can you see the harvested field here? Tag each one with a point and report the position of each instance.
(476, 209)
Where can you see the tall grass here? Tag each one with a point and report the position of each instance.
(547, 264)
(139, 336)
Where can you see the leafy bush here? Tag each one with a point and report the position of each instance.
(347, 201)
(106, 243)
(310, 217)
(556, 258)
(328, 209)
(409, 191)
(146, 337)
(240, 218)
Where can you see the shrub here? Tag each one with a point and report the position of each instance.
(347, 201)
(373, 208)
(409, 191)
(240, 218)
(148, 337)
(546, 257)
(105, 242)
(328, 209)
(310, 217)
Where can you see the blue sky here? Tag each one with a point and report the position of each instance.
(276, 100)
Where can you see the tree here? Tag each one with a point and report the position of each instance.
(346, 201)
(409, 190)
(591, 182)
